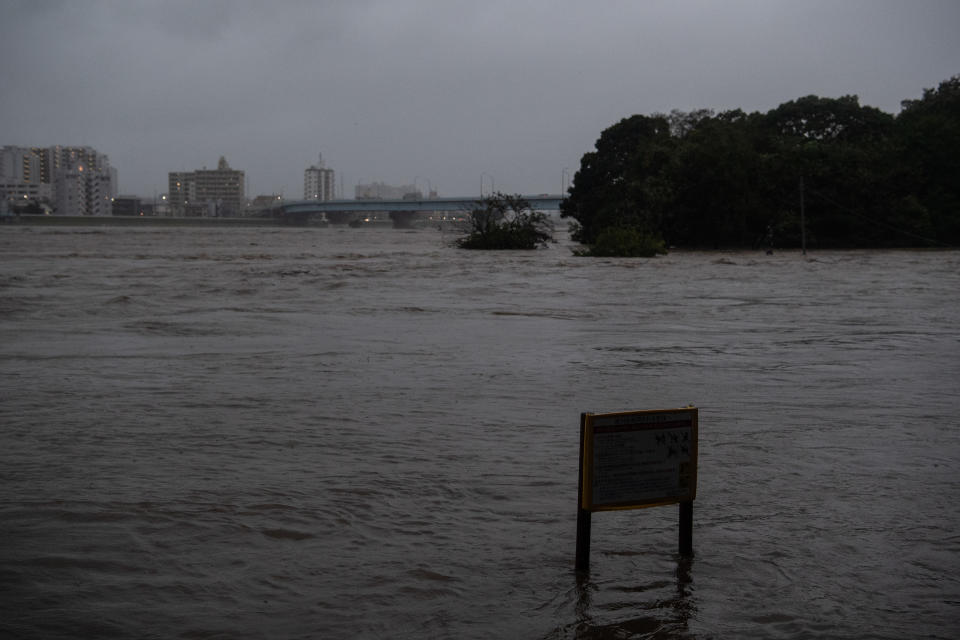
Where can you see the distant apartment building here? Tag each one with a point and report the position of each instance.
(262, 204)
(23, 174)
(133, 206)
(207, 192)
(76, 181)
(381, 191)
(318, 182)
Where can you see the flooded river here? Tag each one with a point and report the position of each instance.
(365, 433)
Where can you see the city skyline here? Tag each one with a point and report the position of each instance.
(457, 96)
(81, 181)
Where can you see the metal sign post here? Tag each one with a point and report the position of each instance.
(634, 460)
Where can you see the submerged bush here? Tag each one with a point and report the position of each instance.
(503, 221)
(624, 242)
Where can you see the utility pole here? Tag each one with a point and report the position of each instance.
(803, 221)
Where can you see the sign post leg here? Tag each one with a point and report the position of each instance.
(686, 528)
(583, 515)
(583, 539)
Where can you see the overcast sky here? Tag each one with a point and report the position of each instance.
(440, 93)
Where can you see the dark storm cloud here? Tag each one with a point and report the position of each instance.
(437, 91)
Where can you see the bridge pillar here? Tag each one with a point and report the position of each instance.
(297, 219)
(341, 217)
(403, 219)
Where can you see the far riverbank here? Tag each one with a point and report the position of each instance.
(164, 221)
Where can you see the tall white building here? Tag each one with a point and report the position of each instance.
(318, 182)
(76, 181)
(83, 181)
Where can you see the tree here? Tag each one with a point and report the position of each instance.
(719, 175)
(928, 137)
(733, 179)
(623, 183)
(816, 118)
(502, 221)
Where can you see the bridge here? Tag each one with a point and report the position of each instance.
(402, 211)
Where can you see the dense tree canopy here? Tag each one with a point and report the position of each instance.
(732, 179)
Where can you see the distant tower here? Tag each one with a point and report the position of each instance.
(318, 182)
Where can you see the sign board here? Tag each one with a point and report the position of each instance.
(639, 459)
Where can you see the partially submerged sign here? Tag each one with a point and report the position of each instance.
(639, 459)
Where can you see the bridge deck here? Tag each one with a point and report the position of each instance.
(540, 203)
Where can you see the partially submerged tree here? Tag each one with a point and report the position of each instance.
(502, 221)
(735, 179)
(624, 182)
(624, 242)
(929, 151)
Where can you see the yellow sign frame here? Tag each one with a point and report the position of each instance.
(655, 480)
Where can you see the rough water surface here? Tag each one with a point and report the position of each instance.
(365, 433)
